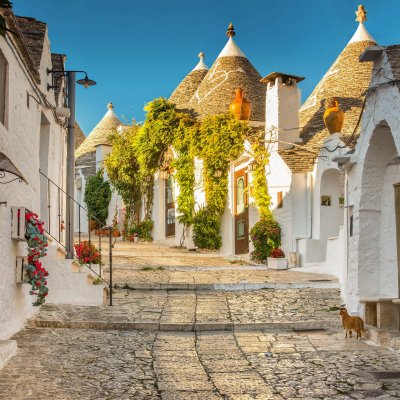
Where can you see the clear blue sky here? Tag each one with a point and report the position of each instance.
(139, 50)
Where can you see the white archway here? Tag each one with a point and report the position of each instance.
(377, 248)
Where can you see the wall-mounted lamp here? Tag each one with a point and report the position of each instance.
(218, 173)
(252, 166)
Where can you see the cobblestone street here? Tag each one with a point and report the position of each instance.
(66, 364)
(200, 343)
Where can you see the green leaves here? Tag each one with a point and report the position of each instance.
(206, 229)
(97, 198)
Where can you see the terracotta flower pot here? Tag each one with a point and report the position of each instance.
(333, 116)
(92, 224)
(240, 106)
(116, 233)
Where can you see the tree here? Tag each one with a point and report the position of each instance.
(97, 198)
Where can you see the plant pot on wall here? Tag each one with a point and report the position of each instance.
(277, 263)
(116, 233)
(92, 224)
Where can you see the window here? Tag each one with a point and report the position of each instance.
(280, 199)
(3, 75)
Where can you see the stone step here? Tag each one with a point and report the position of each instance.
(227, 286)
(69, 283)
(309, 325)
(8, 348)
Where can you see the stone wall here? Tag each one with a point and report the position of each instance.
(20, 141)
(372, 266)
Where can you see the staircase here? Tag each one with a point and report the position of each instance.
(69, 282)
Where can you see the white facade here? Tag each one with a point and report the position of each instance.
(31, 137)
(373, 270)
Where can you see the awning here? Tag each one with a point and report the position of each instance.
(7, 167)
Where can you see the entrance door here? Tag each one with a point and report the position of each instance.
(397, 208)
(241, 213)
(169, 207)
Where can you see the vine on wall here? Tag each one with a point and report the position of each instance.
(260, 185)
(123, 171)
(217, 140)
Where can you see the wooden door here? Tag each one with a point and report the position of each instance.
(169, 207)
(241, 212)
(397, 216)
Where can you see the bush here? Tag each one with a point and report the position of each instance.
(142, 229)
(97, 198)
(266, 236)
(206, 233)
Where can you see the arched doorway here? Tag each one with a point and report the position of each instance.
(378, 240)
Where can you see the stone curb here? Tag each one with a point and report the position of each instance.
(230, 286)
(185, 327)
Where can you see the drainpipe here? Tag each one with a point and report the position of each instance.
(309, 210)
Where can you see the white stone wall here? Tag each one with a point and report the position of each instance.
(372, 264)
(20, 141)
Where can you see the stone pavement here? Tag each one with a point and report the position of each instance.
(201, 310)
(152, 266)
(65, 364)
(200, 343)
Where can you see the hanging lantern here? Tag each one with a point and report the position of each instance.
(252, 166)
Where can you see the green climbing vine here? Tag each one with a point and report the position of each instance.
(260, 185)
(123, 171)
(217, 140)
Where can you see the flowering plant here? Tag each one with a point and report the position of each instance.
(87, 253)
(266, 236)
(37, 243)
(277, 253)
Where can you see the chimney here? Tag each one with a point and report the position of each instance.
(282, 107)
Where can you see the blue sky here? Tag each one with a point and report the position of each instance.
(140, 50)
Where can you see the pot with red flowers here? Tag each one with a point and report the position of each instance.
(88, 255)
(277, 259)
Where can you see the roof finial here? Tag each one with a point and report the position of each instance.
(361, 14)
(231, 31)
(110, 106)
(201, 55)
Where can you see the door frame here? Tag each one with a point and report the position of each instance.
(241, 246)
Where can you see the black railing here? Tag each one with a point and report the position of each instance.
(55, 230)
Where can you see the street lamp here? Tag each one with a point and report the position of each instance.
(86, 82)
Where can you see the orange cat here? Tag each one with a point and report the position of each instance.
(351, 323)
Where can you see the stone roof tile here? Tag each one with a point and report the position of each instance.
(34, 32)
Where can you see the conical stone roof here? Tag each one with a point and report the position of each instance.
(186, 89)
(79, 136)
(230, 71)
(101, 133)
(347, 80)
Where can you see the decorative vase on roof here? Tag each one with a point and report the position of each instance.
(333, 116)
(240, 106)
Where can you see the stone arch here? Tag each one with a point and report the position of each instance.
(377, 248)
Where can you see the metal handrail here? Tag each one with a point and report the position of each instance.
(60, 221)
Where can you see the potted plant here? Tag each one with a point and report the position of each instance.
(277, 259)
(88, 254)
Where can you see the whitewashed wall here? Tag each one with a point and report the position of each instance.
(20, 141)
(372, 266)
